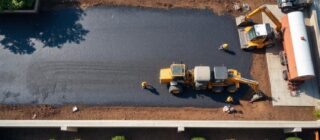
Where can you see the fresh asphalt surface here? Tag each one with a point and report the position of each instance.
(99, 56)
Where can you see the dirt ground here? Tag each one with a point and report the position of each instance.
(247, 111)
(262, 110)
(218, 6)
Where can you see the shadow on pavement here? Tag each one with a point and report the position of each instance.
(218, 97)
(153, 90)
(20, 33)
(230, 52)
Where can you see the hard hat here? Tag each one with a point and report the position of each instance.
(229, 99)
(144, 84)
(225, 45)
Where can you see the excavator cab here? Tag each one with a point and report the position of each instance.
(252, 35)
(256, 36)
(259, 32)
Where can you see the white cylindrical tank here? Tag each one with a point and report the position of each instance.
(296, 46)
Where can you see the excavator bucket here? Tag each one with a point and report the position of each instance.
(241, 21)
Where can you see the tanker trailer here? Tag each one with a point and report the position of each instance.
(296, 55)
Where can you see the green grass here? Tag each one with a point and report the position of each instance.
(16, 4)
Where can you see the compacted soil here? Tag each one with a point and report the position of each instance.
(262, 110)
(246, 111)
(217, 6)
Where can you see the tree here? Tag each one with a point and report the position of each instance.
(118, 138)
(16, 4)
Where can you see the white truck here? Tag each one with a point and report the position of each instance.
(287, 6)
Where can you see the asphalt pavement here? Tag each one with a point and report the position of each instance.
(100, 55)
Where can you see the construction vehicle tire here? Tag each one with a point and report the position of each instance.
(175, 89)
(269, 45)
(285, 75)
(232, 89)
(250, 48)
(302, 7)
(272, 43)
(278, 37)
(286, 9)
(217, 89)
(282, 58)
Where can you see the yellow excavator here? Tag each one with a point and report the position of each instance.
(253, 35)
(177, 76)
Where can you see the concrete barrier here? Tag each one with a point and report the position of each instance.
(181, 125)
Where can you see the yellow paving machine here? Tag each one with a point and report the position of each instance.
(216, 80)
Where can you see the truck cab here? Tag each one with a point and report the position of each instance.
(287, 6)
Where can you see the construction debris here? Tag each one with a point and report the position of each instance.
(246, 7)
(236, 6)
(228, 109)
(34, 116)
(256, 97)
(75, 109)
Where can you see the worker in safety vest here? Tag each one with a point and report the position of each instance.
(224, 46)
(144, 85)
(229, 100)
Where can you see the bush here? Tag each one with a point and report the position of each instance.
(293, 138)
(198, 138)
(16, 4)
(317, 114)
(118, 138)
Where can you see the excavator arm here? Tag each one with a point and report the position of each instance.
(264, 9)
(253, 84)
(235, 77)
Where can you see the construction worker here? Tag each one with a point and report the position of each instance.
(224, 46)
(144, 85)
(229, 100)
(228, 109)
